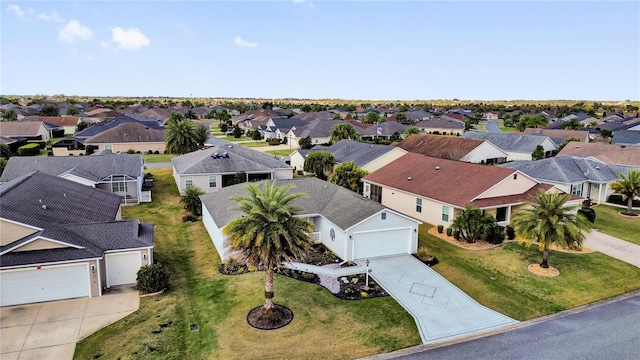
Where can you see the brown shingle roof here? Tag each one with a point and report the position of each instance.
(449, 181)
(557, 133)
(57, 120)
(20, 128)
(514, 199)
(130, 132)
(452, 148)
(607, 153)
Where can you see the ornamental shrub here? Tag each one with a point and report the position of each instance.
(152, 278)
(440, 229)
(449, 231)
(589, 213)
(29, 149)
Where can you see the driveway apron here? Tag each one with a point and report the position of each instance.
(440, 309)
(614, 247)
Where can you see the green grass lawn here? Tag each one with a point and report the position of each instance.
(498, 278)
(323, 325)
(610, 222)
(279, 153)
(159, 158)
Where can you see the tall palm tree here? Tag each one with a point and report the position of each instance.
(629, 186)
(181, 137)
(343, 131)
(549, 220)
(269, 233)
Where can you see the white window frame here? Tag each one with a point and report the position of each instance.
(215, 181)
(108, 147)
(446, 212)
(418, 205)
(188, 181)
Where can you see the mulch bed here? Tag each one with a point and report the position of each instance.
(540, 271)
(272, 319)
(353, 288)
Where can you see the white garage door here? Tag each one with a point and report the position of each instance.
(122, 268)
(47, 284)
(381, 243)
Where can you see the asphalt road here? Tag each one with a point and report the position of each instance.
(492, 127)
(605, 331)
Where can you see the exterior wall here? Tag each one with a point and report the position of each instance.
(12, 232)
(548, 145)
(339, 244)
(131, 195)
(40, 244)
(443, 131)
(279, 174)
(102, 274)
(513, 156)
(509, 186)
(483, 152)
(124, 147)
(384, 160)
(94, 280)
(69, 129)
(320, 140)
(201, 181)
(215, 234)
(297, 161)
(392, 221)
(63, 151)
(405, 203)
(42, 131)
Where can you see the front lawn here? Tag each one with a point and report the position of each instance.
(610, 222)
(158, 158)
(499, 279)
(279, 153)
(323, 325)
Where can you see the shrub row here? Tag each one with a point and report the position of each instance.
(29, 149)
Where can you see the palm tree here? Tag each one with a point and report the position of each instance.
(349, 175)
(343, 131)
(181, 137)
(191, 200)
(320, 163)
(411, 130)
(268, 233)
(629, 186)
(203, 133)
(550, 221)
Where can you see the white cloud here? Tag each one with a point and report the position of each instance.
(298, 2)
(73, 32)
(16, 9)
(244, 43)
(53, 17)
(129, 39)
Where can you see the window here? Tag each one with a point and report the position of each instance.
(119, 187)
(501, 214)
(376, 193)
(212, 181)
(576, 189)
(188, 181)
(384, 216)
(419, 205)
(108, 147)
(515, 176)
(445, 213)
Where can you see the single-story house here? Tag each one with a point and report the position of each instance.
(561, 135)
(129, 136)
(319, 131)
(369, 157)
(277, 128)
(384, 130)
(490, 116)
(443, 125)
(610, 154)
(13, 143)
(68, 123)
(100, 127)
(218, 167)
(517, 147)
(454, 148)
(587, 178)
(348, 224)
(121, 174)
(436, 190)
(30, 130)
(69, 147)
(62, 240)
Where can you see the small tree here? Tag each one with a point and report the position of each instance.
(49, 110)
(72, 111)
(410, 131)
(5, 151)
(191, 200)
(320, 163)
(10, 115)
(305, 143)
(81, 126)
(202, 131)
(538, 153)
(472, 225)
(343, 131)
(628, 186)
(237, 132)
(349, 175)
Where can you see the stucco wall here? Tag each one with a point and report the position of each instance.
(297, 161)
(63, 151)
(405, 203)
(392, 221)
(338, 245)
(283, 174)
(384, 160)
(142, 147)
(510, 186)
(483, 152)
(215, 234)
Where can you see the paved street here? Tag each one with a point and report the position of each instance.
(608, 330)
(492, 127)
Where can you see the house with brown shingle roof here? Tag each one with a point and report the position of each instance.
(68, 123)
(129, 135)
(441, 125)
(562, 135)
(606, 153)
(436, 190)
(31, 130)
(454, 148)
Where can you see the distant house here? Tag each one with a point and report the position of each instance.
(30, 130)
(490, 116)
(369, 157)
(626, 137)
(384, 130)
(62, 240)
(560, 135)
(69, 147)
(436, 190)
(454, 148)
(609, 154)
(278, 128)
(349, 225)
(121, 174)
(578, 176)
(517, 147)
(219, 166)
(68, 123)
(441, 125)
(319, 131)
(13, 143)
(129, 136)
(100, 127)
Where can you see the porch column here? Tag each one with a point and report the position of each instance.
(599, 193)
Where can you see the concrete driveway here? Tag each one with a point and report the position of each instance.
(50, 330)
(614, 247)
(440, 309)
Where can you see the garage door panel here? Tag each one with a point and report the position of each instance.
(122, 268)
(382, 243)
(46, 284)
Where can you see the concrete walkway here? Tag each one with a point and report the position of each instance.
(51, 330)
(614, 247)
(440, 309)
(328, 270)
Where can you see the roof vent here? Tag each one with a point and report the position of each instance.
(225, 154)
(409, 178)
(229, 146)
(597, 167)
(437, 167)
(44, 206)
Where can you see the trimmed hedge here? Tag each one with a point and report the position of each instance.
(41, 143)
(29, 149)
(152, 278)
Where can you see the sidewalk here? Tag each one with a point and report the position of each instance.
(614, 247)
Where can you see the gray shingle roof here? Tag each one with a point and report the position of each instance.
(509, 142)
(341, 206)
(626, 137)
(240, 159)
(569, 169)
(89, 167)
(358, 152)
(386, 129)
(110, 124)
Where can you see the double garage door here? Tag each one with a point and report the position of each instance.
(46, 284)
(381, 243)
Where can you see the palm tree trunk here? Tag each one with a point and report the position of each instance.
(268, 290)
(545, 257)
(630, 204)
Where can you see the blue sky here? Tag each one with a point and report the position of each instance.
(374, 50)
